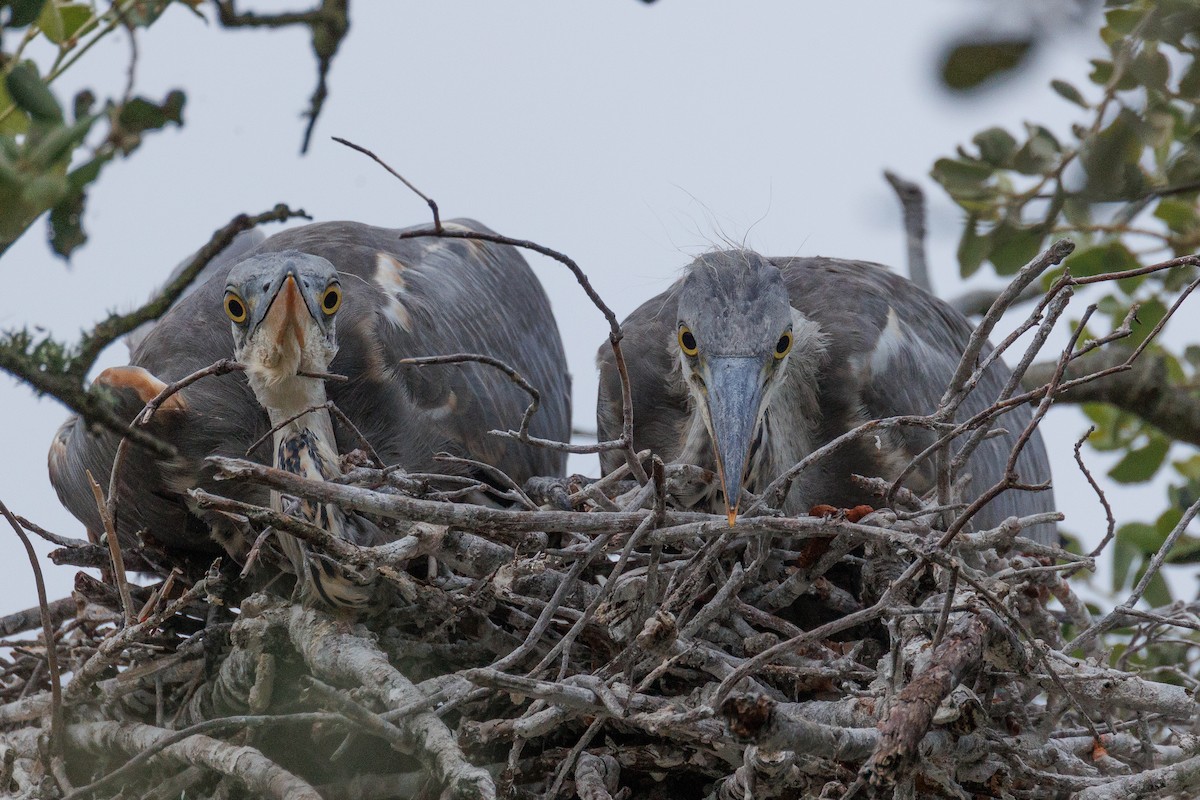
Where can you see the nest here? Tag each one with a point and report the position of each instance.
(596, 643)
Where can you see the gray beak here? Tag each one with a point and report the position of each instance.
(735, 390)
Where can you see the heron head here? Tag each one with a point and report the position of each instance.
(734, 335)
(283, 307)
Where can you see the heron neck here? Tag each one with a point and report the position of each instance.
(292, 404)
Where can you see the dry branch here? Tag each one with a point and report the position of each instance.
(614, 646)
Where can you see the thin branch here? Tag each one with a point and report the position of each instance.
(114, 551)
(117, 325)
(535, 397)
(433, 206)
(56, 698)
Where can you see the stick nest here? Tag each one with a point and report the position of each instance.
(602, 645)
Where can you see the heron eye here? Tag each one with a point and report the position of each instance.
(687, 342)
(783, 345)
(235, 308)
(331, 301)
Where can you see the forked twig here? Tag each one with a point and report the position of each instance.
(56, 698)
(615, 333)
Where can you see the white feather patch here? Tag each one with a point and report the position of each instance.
(389, 276)
(891, 341)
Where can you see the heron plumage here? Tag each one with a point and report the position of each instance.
(868, 344)
(460, 297)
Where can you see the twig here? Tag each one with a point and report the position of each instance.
(114, 552)
(171, 738)
(56, 698)
(433, 206)
(614, 337)
(459, 358)
(117, 325)
(1152, 568)
(1111, 527)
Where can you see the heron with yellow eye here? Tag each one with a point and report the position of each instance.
(283, 308)
(747, 365)
(277, 301)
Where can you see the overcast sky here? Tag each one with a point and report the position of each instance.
(625, 135)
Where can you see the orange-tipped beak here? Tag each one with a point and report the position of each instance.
(735, 390)
(285, 319)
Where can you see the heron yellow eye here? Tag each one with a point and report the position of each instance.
(783, 345)
(331, 301)
(235, 308)
(687, 341)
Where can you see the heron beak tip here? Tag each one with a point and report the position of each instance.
(732, 514)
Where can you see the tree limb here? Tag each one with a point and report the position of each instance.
(1143, 389)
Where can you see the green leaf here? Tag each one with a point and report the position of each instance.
(139, 115)
(1189, 82)
(1180, 215)
(44, 191)
(1122, 21)
(23, 12)
(75, 16)
(1069, 92)
(996, 146)
(956, 174)
(83, 103)
(969, 64)
(1174, 368)
(1185, 551)
(31, 94)
(1149, 314)
(1102, 71)
(972, 248)
(1110, 159)
(1141, 536)
(1188, 467)
(1151, 69)
(55, 143)
(1185, 166)
(1123, 554)
(1139, 466)
(66, 225)
(51, 22)
(87, 172)
(1102, 259)
(1178, 20)
(1014, 247)
(1040, 152)
(13, 121)
(1157, 592)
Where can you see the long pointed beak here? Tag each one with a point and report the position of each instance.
(288, 315)
(735, 390)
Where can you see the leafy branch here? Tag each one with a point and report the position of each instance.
(1124, 185)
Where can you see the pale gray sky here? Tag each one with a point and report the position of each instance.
(624, 135)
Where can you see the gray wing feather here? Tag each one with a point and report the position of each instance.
(867, 371)
(904, 344)
(461, 296)
(661, 403)
(242, 244)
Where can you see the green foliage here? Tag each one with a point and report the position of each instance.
(970, 63)
(47, 161)
(1123, 183)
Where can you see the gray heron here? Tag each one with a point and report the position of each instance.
(408, 297)
(748, 364)
(283, 310)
